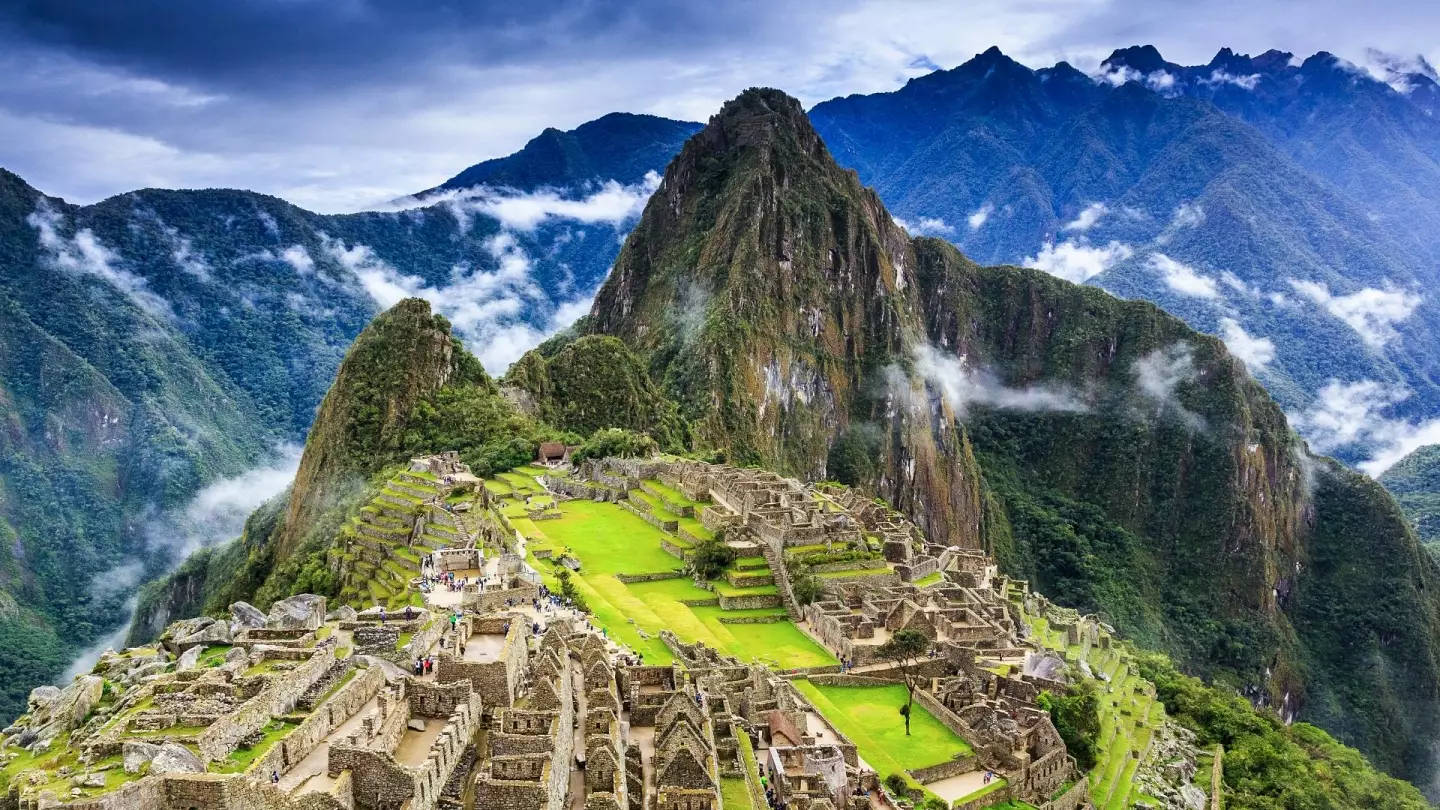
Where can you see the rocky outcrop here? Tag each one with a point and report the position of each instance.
(404, 356)
(304, 611)
(51, 711)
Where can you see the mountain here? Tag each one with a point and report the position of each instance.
(1263, 205)
(1415, 483)
(158, 341)
(619, 147)
(1101, 448)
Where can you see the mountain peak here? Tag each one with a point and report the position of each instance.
(1143, 58)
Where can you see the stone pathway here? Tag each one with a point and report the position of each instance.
(309, 774)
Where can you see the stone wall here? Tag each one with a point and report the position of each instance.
(278, 697)
(498, 681)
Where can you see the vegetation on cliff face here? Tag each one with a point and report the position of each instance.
(1415, 483)
(595, 382)
(1099, 447)
(1269, 765)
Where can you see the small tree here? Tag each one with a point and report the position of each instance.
(710, 558)
(807, 588)
(904, 650)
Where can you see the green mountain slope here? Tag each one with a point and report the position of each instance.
(1100, 447)
(1415, 483)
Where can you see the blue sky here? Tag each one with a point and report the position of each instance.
(340, 104)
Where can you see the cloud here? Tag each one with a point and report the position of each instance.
(1352, 416)
(1182, 278)
(215, 514)
(1187, 215)
(1159, 374)
(925, 226)
(185, 256)
(1257, 352)
(1078, 260)
(1371, 312)
(85, 255)
(963, 386)
(1161, 81)
(979, 216)
(1087, 218)
(500, 314)
(613, 204)
(299, 258)
(1219, 76)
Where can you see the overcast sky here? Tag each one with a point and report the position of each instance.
(340, 104)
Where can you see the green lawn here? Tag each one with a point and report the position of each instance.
(870, 717)
(734, 794)
(609, 540)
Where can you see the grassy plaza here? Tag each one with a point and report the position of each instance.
(609, 540)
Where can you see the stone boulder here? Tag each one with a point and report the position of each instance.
(53, 711)
(237, 655)
(344, 613)
(189, 659)
(91, 780)
(175, 758)
(213, 633)
(415, 724)
(245, 616)
(304, 611)
(41, 699)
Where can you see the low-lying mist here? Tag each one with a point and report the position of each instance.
(216, 514)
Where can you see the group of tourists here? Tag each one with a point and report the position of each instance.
(424, 666)
(772, 799)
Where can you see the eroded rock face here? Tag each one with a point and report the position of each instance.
(304, 611)
(244, 615)
(189, 659)
(213, 633)
(175, 758)
(54, 711)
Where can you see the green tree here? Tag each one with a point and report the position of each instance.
(1077, 717)
(616, 443)
(905, 649)
(710, 558)
(807, 588)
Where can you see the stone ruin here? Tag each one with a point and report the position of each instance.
(262, 713)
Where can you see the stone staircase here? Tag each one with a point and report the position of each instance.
(781, 577)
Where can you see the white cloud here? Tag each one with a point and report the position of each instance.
(299, 258)
(1257, 352)
(979, 216)
(1078, 260)
(487, 309)
(925, 226)
(963, 386)
(1087, 218)
(1161, 81)
(1187, 215)
(185, 256)
(1219, 76)
(1371, 312)
(1352, 415)
(84, 254)
(1182, 278)
(613, 203)
(1159, 375)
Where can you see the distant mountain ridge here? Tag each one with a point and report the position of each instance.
(1240, 202)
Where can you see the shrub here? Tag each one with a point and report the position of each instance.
(710, 558)
(896, 784)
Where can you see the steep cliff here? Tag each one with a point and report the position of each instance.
(595, 382)
(1100, 447)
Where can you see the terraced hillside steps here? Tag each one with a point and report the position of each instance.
(776, 563)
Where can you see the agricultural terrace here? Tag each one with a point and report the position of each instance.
(1129, 717)
(870, 717)
(608, 541)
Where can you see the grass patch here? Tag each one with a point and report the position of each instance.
(870, 717)
(734, 794)
(929, 579)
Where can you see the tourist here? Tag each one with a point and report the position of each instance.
(382, 614)
(462, 649)
(274, 777)
(409, 613)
